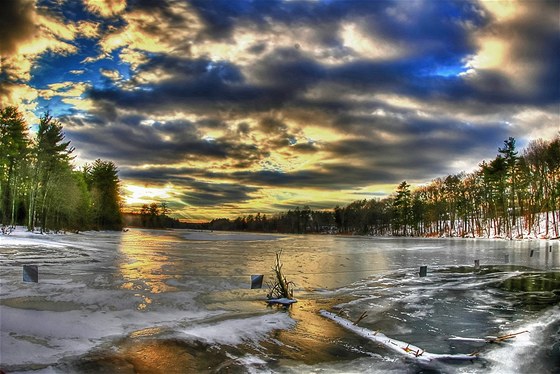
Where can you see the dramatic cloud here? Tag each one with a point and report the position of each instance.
(16, 26)
(105, 8)
(228, 107)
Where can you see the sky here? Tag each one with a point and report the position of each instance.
(223, 108)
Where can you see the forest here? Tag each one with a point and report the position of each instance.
(41, 189)
(515, 195)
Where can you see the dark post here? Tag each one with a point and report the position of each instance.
(31, 273)
(423, 271)
(476, 264)
(256, 281)
(532, 252)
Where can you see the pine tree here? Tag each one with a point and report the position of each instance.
(103, 183)
(14, 149)
(52, 156)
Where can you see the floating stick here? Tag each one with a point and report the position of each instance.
(364, 315)
(31, 273)
(488, 339)
(395, 345)
(504, 337)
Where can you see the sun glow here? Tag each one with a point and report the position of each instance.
(137, 195)
(492, 54)
(504, 9)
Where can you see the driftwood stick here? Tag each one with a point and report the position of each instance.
(505, 337)
(361, 317)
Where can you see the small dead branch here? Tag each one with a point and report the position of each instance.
(502, 338)
(281, 287)
(361, 317)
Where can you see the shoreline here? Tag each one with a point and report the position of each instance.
(21, 232)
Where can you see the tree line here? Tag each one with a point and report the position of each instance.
(512, 196)
(154, 215)
(41, 189)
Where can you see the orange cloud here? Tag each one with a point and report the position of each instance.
(105, 8)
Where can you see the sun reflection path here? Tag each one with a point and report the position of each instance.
(142, 269)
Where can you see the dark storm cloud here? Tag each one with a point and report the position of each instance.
(424, 150)
(214, 194)
(535, 42)
(437, 30)
(221, 17)
(203, 85)
(338, 176)
(410, 78)
(332, 177)
(425, 155)
(289, 70)
(283, 77)
(159, 173)
(134, 141)
(16, 25)
(435, 36)
(200, 84)
(280, 136)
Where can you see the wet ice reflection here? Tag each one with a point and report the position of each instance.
(142, 265)
(140, 293)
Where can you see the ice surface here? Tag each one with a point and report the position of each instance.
(229, 236)
(98, 289)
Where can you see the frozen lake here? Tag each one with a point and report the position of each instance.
(179, 302)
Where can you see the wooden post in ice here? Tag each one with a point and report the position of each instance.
(532, 252)
(256, 281)
(423, 271)
(550, 249)
(476, 265)
(31, 273)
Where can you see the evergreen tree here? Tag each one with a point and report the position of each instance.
(403, 209)
(52, 156)
(14, 149)
(511, 159)
(103, 183)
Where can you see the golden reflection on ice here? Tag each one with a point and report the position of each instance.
(313, 269)
(141, 267)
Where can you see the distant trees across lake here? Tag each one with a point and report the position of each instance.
(154, 216)
(39, 187)
(512, 196)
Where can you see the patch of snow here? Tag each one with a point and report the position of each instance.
(238, 331)
(518, 355)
